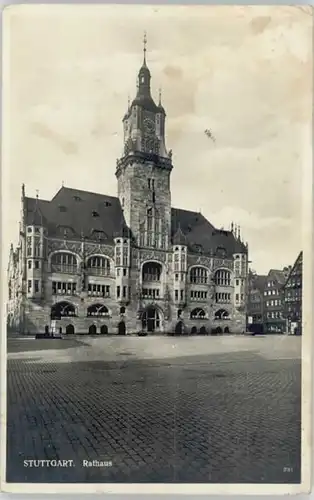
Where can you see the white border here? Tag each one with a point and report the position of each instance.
(185, 489)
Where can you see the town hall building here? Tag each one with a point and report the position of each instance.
(132, 264)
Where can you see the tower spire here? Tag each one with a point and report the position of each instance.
(144, 48)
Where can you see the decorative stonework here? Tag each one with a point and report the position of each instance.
(72, 246)
(98, 248)
(222, 263)
(201, 260)
(153, 255)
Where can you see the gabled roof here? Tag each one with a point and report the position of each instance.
(277, 275)
(298, 264)
(259, 282)
(98, 216)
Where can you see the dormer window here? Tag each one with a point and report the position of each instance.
(95, 213)
(99, 235)
(77, 198)
(62, 208)
(107, 204)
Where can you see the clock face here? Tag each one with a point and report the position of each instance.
(149, 125)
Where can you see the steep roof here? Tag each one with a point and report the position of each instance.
(78, 212)
(297, 267)
(99, 216)
(201, 236)
(278, 275)
(260, 282)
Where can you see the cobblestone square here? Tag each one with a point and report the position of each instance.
(155, 409)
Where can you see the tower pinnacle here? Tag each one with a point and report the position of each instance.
(144, 48)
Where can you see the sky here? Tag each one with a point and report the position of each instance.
(242, 72)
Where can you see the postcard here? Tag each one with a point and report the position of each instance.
(157, 258)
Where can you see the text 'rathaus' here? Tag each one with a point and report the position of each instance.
(92, 263)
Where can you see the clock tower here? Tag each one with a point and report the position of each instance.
(143, 171)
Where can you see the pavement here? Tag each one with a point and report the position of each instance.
(155, 409)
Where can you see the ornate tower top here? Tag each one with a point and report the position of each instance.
(144, 121)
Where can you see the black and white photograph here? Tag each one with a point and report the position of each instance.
(156, 244)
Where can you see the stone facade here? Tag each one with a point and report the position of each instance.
(89, 263)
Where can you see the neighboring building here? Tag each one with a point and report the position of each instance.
(274, 321)
(88, 262)
(293, 297)
(255, 306)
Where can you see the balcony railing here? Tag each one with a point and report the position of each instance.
(64, 268)
(64, 292)
(151, 277)
(152, 295)
(194, 280)
(98, 271)
(98, 294)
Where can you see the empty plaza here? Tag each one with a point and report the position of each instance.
(154, 409)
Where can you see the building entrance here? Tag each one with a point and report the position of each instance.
(151, 320)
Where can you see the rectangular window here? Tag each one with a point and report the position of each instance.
(176, 294)
(181, 294)
(118, 292)
(149, 184)
(29, 286)
(125, 257)
(124, 292)
(37, 246)
(36, 264)
(29, 246)
(118, 272)
(237, 282)
(118, 256)
(176, 277)
(237, 296)
(153, 184)
(124, 272)
(242, 296)
(29, 264)
(54, 287)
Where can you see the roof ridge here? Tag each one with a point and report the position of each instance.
(65, 188)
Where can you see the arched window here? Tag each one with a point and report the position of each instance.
(62, 309)
(221, 314)
(97, 310)
(151, 271)
(98, 266)
(198, 313)
(222, 277)
(199, 275)
(64, 262)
